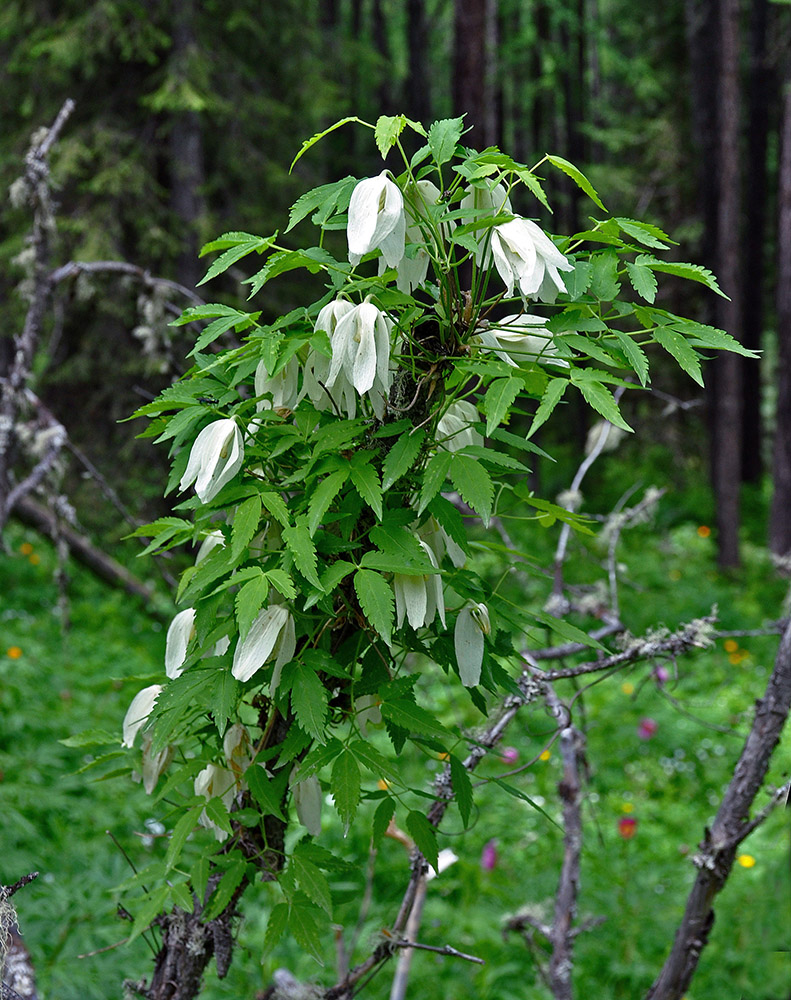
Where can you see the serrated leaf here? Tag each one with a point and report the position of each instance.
(377, 601)
(281, 581)
(601, 399)
(268, 793)
(412, 718)
(248, 602)
(308, 143)
(309, 701)
(578, 281)
(386, 132)
(318, 758)
(401, 457)
(424, 835)
(231, 256)
(566, 630)
(217, 812)
(300, 545)
(578, 177)
(245, 524)
(276, 926)
(474, 484)
(443, 136)
(366, 481)
(183, 828)
(634, 353)
(345, 786)
(693, 272)
(153, 906)
(90, 738)
(322, 496)
(701, 335)
(676, 345)
(223, 698)
(462, 788)
(552, 396)
(312, 882)
(199, 876)
(643, 280)
(645, 233)
(227, 886)
(382, 816)
(370, 757)
(604, 276)
(497, 400)
(434, 476)
(302, 924)
(323, 200)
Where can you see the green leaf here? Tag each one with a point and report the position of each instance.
(566, 630)
(281, 581)
(578, 177)
(518, 794)
(322, 496)
(308, 143)
(474, 484)
(199, 876)
(376, 600)
(693, 272)
(245, 524)
(676, 345)
(634, 353)
(314, 259)
(401, 457)
(386, 132)
(498, 398)
(312, 881)
(266, 792)
(227, 886)
(462, 788)
(434, 476)
(223, 697)
(701, 335)
(552, 396)
(276, 926)
(300, 545)
(90, 738)
(601, 400)
(249, 600)
(370, 757)
(645, 233)
(414, 719)
(443, 137)
(183, 828)
(323, 200)
(230, 257)
(366, 481)
(153, 906)
(309, 701)
(604, 276)
(578, 281)
(402, 547)
(384, 813)
(216, 329)
(318, 758)
(345, 786)
(217, 812)
(302, 924)
(643, 280)
(424, 835)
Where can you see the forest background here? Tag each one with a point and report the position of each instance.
(186, 117)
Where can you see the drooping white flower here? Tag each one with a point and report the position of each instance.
(519, 339)
(445, 859)
(180, 631)
(271, 634)
(367, 711)
(419, 598)
(412, 270)
(472, 625)
(215, 782)
(235, 747)
(138, 712)
(526, 256)
(307, 800)
(216, 457)
(376, 220)
(361, 349)
(440, 543)
(154, 764)
(282, 388)
(482, 202)
(454, 430)
(317, 367)
(211, 541)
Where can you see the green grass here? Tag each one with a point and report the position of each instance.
(54, 819)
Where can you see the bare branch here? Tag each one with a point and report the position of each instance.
(76, 267)
(7, 891)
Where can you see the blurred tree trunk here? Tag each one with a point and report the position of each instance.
(418, 92)
(760, 93)
(474, 68)
(384, 92)
(186, 150)
(571, 38)
(780, 516)
(727, 369)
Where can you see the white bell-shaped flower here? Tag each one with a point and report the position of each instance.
(441, 544)
(211, 541)
(482, 202)
(138, 712)
(279, 391)
(526, 256)
(317, 367)
(376, 220)
(308, 801)
(236, 748)
(520, 339)
(180, 631)
(472, 625)
(154, 764)
(419, 598)
(215, 782)
(412, 270)
(361, 349)
(454, 430)
(271, 635)
(216, 457)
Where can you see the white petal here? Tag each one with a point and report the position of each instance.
(154, 765)
(468, 640)
(254, 650)
(376, 210)
(413, 592)
(286, 647)
(307, 799)
(138, 712)
(180, 632)
(211, 541)
(216, 457)
(364, 370)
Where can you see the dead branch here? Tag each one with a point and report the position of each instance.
(717, 851)
(76, 267)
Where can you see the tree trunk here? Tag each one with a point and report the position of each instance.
(780, 516)
(418, 91)
(760, 92)
(186, 152)
(727, 369)
(474, 68)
